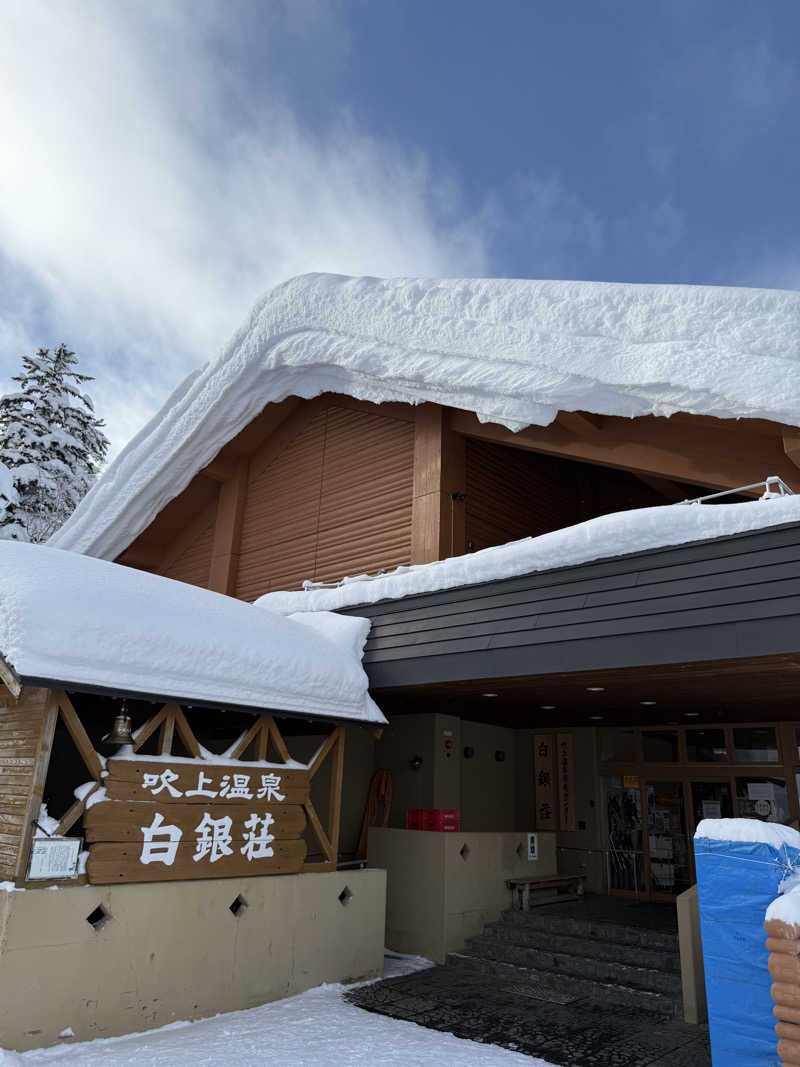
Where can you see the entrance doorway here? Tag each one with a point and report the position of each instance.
(659, 783)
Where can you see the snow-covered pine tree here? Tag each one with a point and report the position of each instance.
(51, 446)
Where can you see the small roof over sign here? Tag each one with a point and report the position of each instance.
(75, 621)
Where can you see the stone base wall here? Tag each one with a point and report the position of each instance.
(174, 951)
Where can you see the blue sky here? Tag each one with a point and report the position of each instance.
(166, 163)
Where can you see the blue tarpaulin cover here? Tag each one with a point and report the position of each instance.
(737, 879)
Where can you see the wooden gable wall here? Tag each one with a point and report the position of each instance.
(335, 500)
(319, 489)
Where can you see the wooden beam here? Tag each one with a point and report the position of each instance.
(149, 727)
(277, 740)
(321, 753)
(218, 470)
(185, 733)
(437, 510)
(667, 488)
(80, 738)
(721, 456)
(143, 556)
(228, 530)
(10, 681)
(791, 445)
(167, 733)
(335, 799)
(247, 738)
(319, 833)
(580, 422)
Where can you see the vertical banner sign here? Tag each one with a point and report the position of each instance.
(566, 783)
(544, 777)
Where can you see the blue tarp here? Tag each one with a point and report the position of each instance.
(736, 882)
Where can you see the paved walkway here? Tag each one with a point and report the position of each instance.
(573, 1034)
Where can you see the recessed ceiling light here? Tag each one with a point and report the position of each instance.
(547, 707)
(596, 718)
(647, 703)
(691, 714)
(489, 694)
(595, 689)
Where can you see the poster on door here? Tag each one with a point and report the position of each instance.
(544, 767)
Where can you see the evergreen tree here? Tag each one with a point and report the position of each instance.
(51, 446)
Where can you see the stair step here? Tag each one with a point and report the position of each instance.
(635, 955)
(566, 986)
(597, 929)
(578, 966)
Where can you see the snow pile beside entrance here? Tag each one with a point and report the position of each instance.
(317, 1027)
(513, 352)
(74, 620)
(617, 534)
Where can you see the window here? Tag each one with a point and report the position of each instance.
(706, 746)
(755, 744)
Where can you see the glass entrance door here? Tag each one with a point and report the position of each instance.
(626, 861)
(669, 869)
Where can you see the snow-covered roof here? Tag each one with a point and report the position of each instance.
(75, 621)
(617, 534)
(513, 352)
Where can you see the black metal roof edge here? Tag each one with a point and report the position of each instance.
(184, 702)
(365, 606)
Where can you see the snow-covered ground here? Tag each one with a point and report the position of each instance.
(317, 1027)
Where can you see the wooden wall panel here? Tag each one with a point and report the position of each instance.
(336, 500)
(23, 746)
(190, 559)
(513, 494)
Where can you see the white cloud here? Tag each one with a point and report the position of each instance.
(150, 190)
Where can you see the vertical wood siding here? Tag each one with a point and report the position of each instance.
(21, 730)
(513, 494)
(190, 560)
(335, 501)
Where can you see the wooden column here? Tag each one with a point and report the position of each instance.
(228, 530)
(26, 738)
(439, 473)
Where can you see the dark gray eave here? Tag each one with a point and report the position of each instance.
(724, 598)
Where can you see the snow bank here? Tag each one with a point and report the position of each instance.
(617, 534)
(748, 830)
(80, 621)
(317, 1027)
(513, 352)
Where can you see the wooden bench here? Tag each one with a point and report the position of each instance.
(521, 889)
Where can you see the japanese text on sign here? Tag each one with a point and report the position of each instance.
(213, 839)
(231, 786)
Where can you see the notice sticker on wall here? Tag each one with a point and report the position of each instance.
(54, 857)
(533, 846)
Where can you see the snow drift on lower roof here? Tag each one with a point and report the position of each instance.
(513, 352)
(618, 534)
(70, 619)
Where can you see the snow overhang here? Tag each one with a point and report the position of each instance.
(512, 352)
(73, 622)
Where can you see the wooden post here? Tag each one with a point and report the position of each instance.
(228, 530)
(437, 518)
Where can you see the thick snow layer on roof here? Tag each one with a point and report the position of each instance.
(513, 352)
(76, 620)
(617, 534)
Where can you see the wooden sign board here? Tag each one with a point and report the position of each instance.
(566, 783)
(169, 820)
(544, 776)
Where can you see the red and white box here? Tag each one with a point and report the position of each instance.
(413, 818)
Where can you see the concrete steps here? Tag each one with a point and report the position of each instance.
(566, 957)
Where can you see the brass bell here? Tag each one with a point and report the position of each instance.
(120, 733)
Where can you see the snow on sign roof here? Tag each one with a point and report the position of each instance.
(617, 534)
(513, 352)
(76, 621)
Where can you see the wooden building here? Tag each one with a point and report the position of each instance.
(356, 426)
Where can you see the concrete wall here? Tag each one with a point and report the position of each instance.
(437, 897)
(175, 951)
(488, 785)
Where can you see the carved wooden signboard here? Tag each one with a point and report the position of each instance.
(544, 771)
(169, 819)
